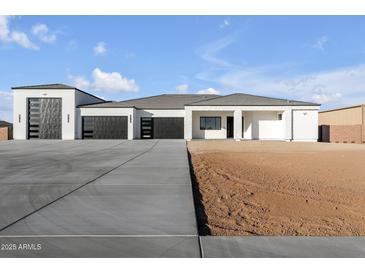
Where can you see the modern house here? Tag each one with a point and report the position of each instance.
(59, 111)
(343, 125)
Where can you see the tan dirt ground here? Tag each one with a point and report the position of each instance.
(279, 188)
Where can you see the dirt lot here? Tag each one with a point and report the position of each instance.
(279, 188)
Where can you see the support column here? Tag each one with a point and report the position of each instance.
(287, 117)
(188, 124)
(237, 121)
(131, 117)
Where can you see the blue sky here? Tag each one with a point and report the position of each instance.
(312, 58)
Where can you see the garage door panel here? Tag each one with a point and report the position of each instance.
(105, 127)
(168, 128)
(45, 118)
(50, 119)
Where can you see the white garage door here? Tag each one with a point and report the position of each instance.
(305, 125)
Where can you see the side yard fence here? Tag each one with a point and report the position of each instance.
(341, 134)
(6, 133)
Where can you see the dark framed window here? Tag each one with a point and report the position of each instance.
(280, 116)
(210, 123)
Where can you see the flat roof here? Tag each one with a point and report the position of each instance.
(341, 108)
(46, 86)
(56, 86)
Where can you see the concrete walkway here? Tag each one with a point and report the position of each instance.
(282, 247)
(97, 199)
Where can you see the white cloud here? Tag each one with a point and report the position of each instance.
(79, 82)
(323, 98)
(342, 86)
(6, 106)
(4, 29)
(210, 51)
(208, 91)
(22, 39)
(334, 87)
(42, 32)
(319, 44)
(226, 23)
(10, 36)
(112, 81)
(182, 89)
(100, 48)
(105, 81)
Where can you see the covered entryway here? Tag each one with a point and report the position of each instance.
(105, 127)
(44, 118)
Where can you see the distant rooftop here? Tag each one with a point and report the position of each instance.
(5, 124)
(341, 108)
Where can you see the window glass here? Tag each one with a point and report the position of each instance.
(210, 123)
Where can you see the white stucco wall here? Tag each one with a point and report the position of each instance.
(264, 125)
(129, 112)
(197, 133)
(20, 107)
(82, 98)
(305, 125)
(260, 122)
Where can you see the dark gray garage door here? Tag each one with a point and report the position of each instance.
(44, 118)
(105, 127)
(168, 128)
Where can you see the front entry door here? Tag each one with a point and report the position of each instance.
(229, 127)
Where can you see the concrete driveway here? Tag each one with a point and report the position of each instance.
(97, 198)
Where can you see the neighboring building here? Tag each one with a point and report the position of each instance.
(62, 112)
(6, 130)
(343, 125)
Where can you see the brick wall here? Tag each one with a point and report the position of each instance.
(343, 134)
(4, 133)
